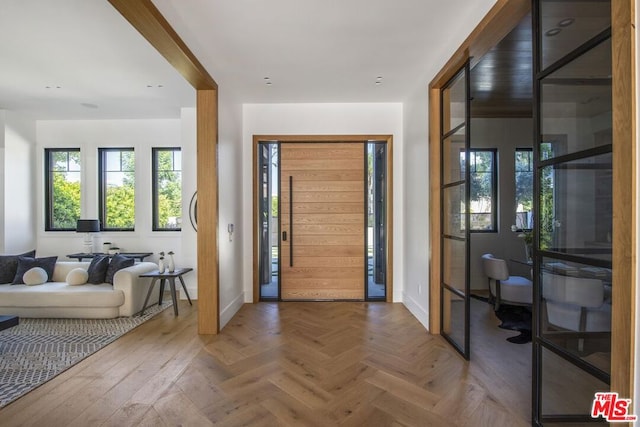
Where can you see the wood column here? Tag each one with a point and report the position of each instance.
(623, 331)
(208, 273)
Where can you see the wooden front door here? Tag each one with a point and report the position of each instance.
(322, 221)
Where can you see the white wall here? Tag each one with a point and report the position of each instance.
(142, 135)
(189, 239)
(506, 135)
(17, 183)
(416, 129)
(324, 119)
(2, 181)
(416, 207)
(230, 201)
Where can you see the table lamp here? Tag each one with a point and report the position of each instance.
(88, 226)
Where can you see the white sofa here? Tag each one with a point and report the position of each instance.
(58, 299)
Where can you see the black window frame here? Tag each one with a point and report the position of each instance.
(48, 184)
(494, 189)
(515, 172)
(102, 182)
(154, 187)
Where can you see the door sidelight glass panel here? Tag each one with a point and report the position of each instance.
(268, 224)
(376, 157)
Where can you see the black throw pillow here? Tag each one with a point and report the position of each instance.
(98, 269)
(118, 262)
(9, 266)
(27, 263)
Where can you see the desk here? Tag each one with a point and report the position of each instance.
(136, 255)
(163, 277)
(528, 263)
(564, 269)
(7, 322)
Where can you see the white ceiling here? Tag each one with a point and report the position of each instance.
(312, 51)
(96, 58)
(321, 50)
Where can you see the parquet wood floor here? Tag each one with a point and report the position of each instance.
(299, 364)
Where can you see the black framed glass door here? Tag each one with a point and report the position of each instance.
(573, 206)
(454, 214)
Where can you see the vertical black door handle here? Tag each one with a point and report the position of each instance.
(284, 236)
(290, 221)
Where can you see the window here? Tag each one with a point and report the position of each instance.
(524, 188)
(62, 181)
(167, 189)
(117, 188)
(483, 189)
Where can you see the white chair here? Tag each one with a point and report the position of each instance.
(503, 287)
(576, 304)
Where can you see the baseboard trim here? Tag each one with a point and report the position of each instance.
(231, 309)
(193, 292)
(418, 312)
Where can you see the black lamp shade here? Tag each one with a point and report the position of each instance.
(88, 226)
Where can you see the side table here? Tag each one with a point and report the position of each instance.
(163, 277)
(135, 255)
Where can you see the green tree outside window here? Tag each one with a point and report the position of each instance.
(63, 181)
(167, 191)
(117, 173)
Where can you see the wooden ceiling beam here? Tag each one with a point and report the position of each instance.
(147, 19)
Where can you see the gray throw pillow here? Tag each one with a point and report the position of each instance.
(9, 266)
(98, 269)
(118, 262)
(25, 264)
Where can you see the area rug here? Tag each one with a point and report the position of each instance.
(515, 318)
(39, 349)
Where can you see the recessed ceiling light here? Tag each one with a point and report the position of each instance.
(566, 22)
(88, 105)
(553, 32)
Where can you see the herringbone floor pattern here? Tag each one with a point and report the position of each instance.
(300, 364)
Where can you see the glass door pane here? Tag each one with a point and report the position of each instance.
(269, 230)
(454, 215)
(376, 282)
(573, 166)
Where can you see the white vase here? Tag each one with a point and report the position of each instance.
(171, 267)
(161, 265)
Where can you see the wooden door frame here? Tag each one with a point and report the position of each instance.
(500, 20)
(388, 139)
(147, 19)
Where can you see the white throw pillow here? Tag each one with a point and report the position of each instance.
(77, 276)
(35, 276)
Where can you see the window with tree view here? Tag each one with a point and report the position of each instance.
(117, 188)
(482, 169)
(167, 189)
(524, 188)
(62, 180)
